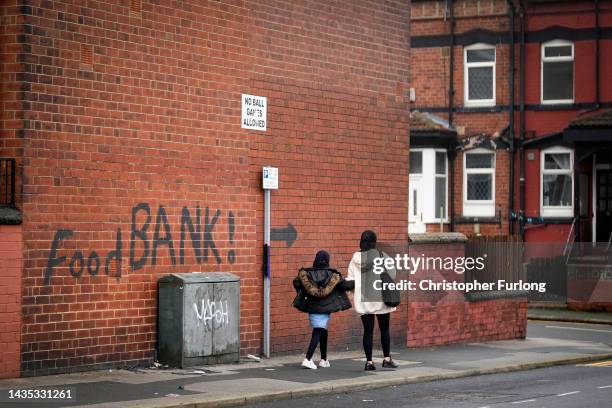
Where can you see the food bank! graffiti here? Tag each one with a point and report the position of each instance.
(153, 240)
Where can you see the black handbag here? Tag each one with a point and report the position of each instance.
(391, 297)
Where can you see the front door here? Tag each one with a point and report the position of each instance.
(604, 205)
(415, 208)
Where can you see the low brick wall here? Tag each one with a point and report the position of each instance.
(10, 299)
(444, 317)
(432, 325)
(589, 287)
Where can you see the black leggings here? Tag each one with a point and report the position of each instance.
(368, 334)
(319, 335)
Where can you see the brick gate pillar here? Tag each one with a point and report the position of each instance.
(11, 263)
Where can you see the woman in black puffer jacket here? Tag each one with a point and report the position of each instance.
(321, 291)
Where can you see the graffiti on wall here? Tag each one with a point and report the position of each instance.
(146, 241)
(212, 313)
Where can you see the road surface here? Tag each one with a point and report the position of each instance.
(588, 385)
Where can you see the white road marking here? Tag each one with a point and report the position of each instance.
(607, 363)
(605, 386)
(567, 393)
(523, 401)
(578, 328)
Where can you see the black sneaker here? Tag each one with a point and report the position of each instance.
(389, 364)
(370, 367)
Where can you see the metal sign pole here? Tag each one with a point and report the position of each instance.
(266, 325)
(269, 182)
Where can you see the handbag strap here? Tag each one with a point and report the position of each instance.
(382, 256)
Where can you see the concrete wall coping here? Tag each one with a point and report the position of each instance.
(495, 294)
(437, 238)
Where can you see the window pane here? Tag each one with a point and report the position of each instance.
(558, 80)
(485, 55)
(480, 83)
(557, 190)
(416, 162)
(440, 163)
(479, 186)
(557, 161)
(479, 160)
(558, 51)
(440, 196)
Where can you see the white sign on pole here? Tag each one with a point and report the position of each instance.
(270, 178)
(254, 112)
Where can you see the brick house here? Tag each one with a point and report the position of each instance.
(123, 121)
(523, 86)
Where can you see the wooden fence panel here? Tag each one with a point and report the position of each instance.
(504, 258)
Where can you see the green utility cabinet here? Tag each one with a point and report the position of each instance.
(198, 319)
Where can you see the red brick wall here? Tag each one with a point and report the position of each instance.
(430, 66)
(11, 73)
(486, 320)
(501, 199)
(134, 122)
(590, 306)
(337, 132)
(11, 260)
(444, 317)
(430, 77)
(589, 288)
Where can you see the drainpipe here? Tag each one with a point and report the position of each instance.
(451, 63)
(597, 37)
(451, 174)
(511, 118)
(451, 94)
(522, 119)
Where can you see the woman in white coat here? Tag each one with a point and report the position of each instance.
(368, 302)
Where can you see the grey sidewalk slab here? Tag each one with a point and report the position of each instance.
(564, 315)
(281, 378)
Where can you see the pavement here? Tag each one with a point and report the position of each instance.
(281, 378)
(565, 315)
(569, 386)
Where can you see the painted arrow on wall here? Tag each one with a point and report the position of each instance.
(287, 234)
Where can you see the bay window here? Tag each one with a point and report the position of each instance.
(429, 184)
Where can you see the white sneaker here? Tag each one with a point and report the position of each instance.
(309, 364)
(324, 364)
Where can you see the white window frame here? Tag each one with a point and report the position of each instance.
(428, 178)
(466, 77)
(479, 208)
(544, 59)
(556, 211)
(436, 217)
